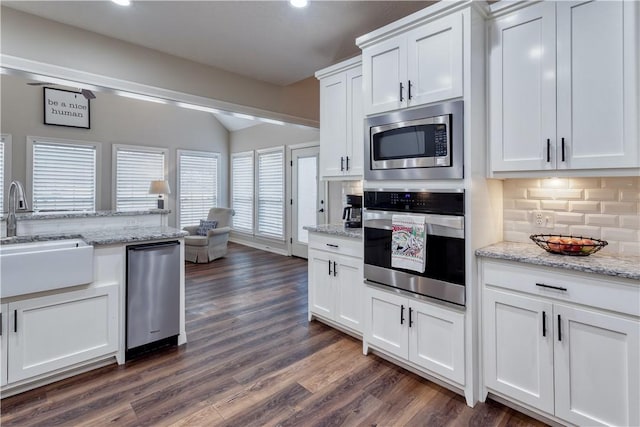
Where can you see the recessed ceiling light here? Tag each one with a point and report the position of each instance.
(298, 3)
(122, 2)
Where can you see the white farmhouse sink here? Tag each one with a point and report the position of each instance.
(43, 266)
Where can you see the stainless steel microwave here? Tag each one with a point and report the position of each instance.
(423, 143)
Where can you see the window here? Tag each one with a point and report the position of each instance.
(63, 174)
(135, 168)
(198, 185)
(270, 191)
(242, 191)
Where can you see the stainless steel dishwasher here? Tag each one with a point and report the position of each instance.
(153, 295)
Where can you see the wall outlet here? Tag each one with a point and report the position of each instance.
(543, 219)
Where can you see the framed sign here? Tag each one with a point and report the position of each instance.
(65, 108)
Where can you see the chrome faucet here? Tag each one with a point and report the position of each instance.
(17, 196)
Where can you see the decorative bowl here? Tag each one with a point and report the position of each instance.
(568, 245)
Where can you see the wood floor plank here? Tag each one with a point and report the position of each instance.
(252, 358)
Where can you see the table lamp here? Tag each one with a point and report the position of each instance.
(160, 188)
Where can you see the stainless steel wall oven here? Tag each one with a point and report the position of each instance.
(443, 277)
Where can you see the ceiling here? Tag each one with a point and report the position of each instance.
(264, 40)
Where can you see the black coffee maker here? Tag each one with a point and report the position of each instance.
(352, 213)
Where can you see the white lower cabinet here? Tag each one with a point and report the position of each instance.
(336, 281)
(57, 331)
(578, 363)
(427, 335)
(3, 344)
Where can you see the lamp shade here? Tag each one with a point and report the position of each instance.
(159, 187)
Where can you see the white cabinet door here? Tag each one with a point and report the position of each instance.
(348, 292)
(57, 331)
(320, 284)
(387, 321)
(333, 125)
(522, 90)
(355, 123)
(384, 73)
(434, 55)
(597, 84)
(517, 335)
(597, 368)
(436, 340)
(4, 313)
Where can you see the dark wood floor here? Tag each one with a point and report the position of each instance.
(252, 359)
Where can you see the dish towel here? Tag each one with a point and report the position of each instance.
(408, 243)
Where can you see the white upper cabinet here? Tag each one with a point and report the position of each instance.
(341, 120)
(416, 67)
(564, 87)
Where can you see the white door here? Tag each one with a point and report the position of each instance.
(597, 368)
(434, 54)
(384, 70)
(598, 84)
(355, 123)
(307, 197)
(61, 330)
(517, 336)
(387, 321)
(436, 340)
(348, 292)
(522, 89)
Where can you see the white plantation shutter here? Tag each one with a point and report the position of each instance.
(135, 169)
(270, 189)
(242, 191)
(198, 192)
(63, 176)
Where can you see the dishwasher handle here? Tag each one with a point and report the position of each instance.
(153, 246)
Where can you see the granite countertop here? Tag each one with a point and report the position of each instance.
(83, 214)
(107, 236)
(335, 230)
(608, 265)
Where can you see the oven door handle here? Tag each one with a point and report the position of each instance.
(382, 220)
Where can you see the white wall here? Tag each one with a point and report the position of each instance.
(30, 37)
(114, 120)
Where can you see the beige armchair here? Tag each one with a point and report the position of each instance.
(203, 249)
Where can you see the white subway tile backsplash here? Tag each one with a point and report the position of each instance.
(556, 205)
(620, 182)
(569, 218)
(621, 234)
(584, 206)
(602, 220)
(629, 248)
(541, 193)
(515, 215)
(601, 194)
(554, 183)
(620, 208)
(585, 231)
(629, 196)
(606, 208)
(527, 204)
(584, 183)
(630, 221)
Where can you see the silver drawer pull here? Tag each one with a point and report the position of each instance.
(558, 288)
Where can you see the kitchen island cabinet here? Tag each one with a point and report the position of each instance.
(47, 336)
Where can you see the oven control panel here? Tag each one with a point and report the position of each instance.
(443, 203)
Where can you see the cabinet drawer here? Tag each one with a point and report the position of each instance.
(620, 295)
(336, 245)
